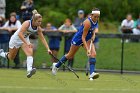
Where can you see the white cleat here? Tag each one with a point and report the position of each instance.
(30, 73)
(54, 69)
(94, 76)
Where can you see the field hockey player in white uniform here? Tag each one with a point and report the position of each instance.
(21, 39)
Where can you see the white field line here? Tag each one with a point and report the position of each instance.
(92, 89)
(53, 88)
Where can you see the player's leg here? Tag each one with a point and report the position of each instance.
(92, 62)
(71, 53)
(29, 53)
(11, 54)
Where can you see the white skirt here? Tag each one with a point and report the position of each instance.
(16, 42)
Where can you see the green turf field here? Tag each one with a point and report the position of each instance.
(15, 81)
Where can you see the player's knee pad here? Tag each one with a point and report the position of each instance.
(92, 61)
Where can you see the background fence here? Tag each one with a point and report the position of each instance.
(113, 53)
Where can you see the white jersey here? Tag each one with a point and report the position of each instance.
(29, 31)
(15, 41)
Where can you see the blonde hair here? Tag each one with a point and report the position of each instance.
(36, 15)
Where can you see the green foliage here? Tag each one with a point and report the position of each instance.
(57, 10)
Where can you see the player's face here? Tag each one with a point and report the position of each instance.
(95, 17)
(38, 22)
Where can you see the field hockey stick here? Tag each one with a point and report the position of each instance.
(65, 65)
(87, 65)
(90, 47)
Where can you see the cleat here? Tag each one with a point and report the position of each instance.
(54, 69)
(30, 73)
(94, 75)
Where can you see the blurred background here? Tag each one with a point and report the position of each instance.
(113, 13)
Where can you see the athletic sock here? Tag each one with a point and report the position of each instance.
(29, 63)
(62, 60)
(92, 62)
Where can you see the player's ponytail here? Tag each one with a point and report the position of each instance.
(36, 15)
(34, 12)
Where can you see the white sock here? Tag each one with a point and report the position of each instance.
(3, 54)
(29, 63)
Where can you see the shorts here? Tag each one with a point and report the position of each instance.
(77, 40)
(16, 42)
(78, 43)
(56, 49)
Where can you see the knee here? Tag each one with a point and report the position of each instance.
(93, 55)
(29, 53)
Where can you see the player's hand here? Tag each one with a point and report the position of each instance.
(88, 53)
(49, 51)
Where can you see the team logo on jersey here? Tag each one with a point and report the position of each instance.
(29, 32)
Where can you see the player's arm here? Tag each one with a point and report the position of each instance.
(85, 32)
(23, 29)
(94, 33)
(41, 36)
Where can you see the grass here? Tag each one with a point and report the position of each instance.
(15, 81)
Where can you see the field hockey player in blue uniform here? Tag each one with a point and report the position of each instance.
(83, 37)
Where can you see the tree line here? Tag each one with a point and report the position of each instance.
(56, 11)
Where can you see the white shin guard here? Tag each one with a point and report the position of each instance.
(29, 63)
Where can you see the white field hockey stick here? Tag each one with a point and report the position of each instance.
(91, 42)
(90, 47)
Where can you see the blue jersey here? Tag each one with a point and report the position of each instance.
(77, 39)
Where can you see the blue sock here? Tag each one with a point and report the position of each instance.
(62, 60)
(92, 62)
